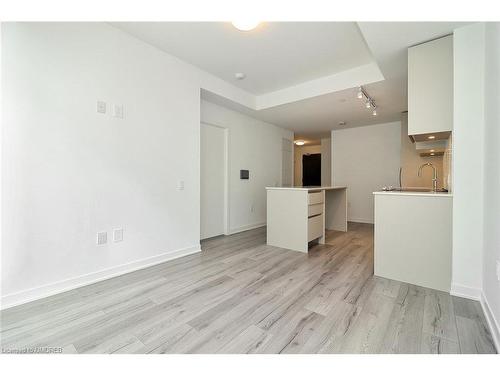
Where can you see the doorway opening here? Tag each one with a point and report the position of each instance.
(312, 161)
(311, 170)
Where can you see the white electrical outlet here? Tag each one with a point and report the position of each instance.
(118, 235)
(101, 107)
(102, 238)
(498, 270)
(118, 111)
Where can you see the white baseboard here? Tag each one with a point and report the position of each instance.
(459, 290)
(361, 221)
(246, 227)
(492, 322)
(47, 290)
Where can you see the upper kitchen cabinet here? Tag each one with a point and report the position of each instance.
(430, 89)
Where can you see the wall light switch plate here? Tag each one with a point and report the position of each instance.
(118, 111)
(102, 238)
(101, 107)
(118, 235)
(180, 185)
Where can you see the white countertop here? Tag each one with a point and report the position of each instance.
(415, 193)
(306, 188)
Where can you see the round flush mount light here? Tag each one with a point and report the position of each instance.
(245, 25)
(431, 137)
(240, 76)
(300, 143)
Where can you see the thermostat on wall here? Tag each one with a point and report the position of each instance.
(244, 174)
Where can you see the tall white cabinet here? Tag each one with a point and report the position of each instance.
(430, 89)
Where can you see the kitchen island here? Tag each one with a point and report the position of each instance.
(299, 215)
(413, 237)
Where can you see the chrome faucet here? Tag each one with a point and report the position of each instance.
(434, 175)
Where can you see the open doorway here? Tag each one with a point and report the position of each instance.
(311, 170)
(312, 161)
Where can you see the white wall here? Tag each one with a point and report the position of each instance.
(254, 145)
(468, 160)
(69, 172)
(491, 255)
(365, 159)
(326, 161)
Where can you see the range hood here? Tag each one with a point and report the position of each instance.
(431, 148)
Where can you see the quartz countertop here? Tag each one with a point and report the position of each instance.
(415, 193)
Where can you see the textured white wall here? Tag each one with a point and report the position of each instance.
(468, 161)
(365, 159)
(326, 161)
(254, 145)
(491, 255)
(69, 172)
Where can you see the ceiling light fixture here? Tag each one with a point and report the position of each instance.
(300, 143)
(431, 137)
(432, 150)
(240, 76)
(369, 102)
(245, 25)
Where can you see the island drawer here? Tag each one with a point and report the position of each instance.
(315, 198)
(315, 209)
(314, 227)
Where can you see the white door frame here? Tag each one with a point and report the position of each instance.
(226, 174)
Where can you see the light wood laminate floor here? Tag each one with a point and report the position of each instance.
(241, 296)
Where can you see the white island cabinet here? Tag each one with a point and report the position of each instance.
(299, 215)
(413, 238)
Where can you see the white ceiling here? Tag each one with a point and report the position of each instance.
(291, 58)
(274, 56)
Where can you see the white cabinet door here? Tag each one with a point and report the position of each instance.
(212, 181)
(430, 87)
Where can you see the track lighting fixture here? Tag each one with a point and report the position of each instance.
(369, 102)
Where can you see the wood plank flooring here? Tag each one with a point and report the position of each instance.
(241, 296)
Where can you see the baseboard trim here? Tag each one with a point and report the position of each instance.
(246, 227)
(33, 294)
(360, 221)
(459, 290)
(492, 322)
